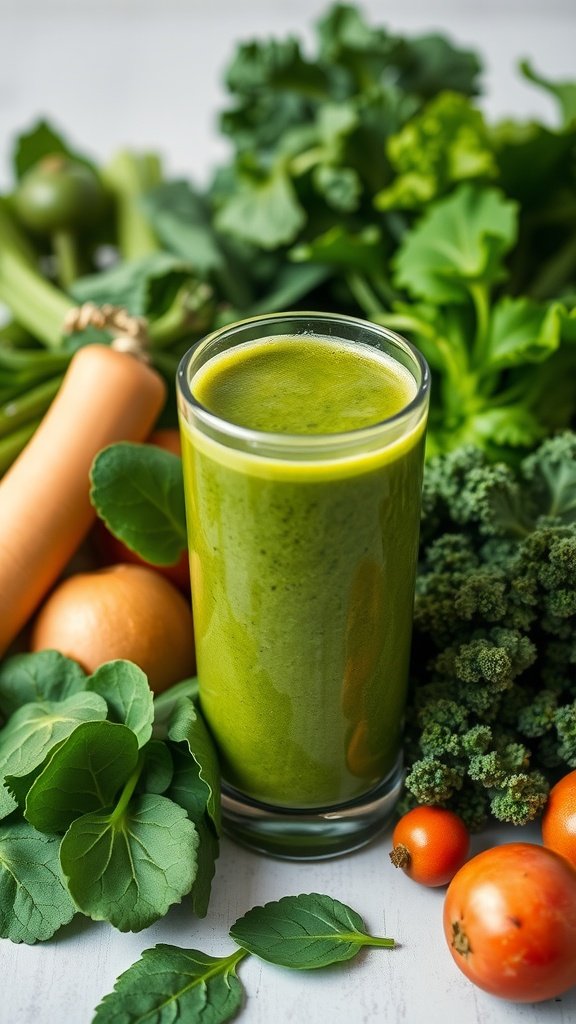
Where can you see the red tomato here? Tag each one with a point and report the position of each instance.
(110, 550)
(430, 844)
(559, 818)
(510, 922)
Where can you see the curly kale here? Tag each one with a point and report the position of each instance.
(491, 720)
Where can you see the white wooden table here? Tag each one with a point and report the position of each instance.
(146, 73)
(61, 981)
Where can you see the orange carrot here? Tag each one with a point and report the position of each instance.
(45, 509)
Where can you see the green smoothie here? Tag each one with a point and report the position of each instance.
(303, 566)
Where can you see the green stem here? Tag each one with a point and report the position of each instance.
(33, 301)
(11, 446)
(364, 295)
(306, 161)
(481, 300)
(29, 406)
(65, 246)
(129, 177)
(127, 792)
(375, 940)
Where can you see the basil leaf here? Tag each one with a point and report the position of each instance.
(138, 491)
(35, 728)
(187, 725)
(461, 240)
(45, 675)
(129, 865)
(125, 689)
(85, 774)
(33, 900)
(304, 932)
(157, 768)
(169, 984)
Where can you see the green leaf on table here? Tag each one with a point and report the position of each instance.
(189, 791)
(187, 726)
(138, 490)
(130, 700)
(35, 728)
(33, 900)
(44, 675)
(563, 92)
(143, 286)
(304, 932)
(128, 866)
(157, 768)
(85, 774)
(264, 210)
(460, 241)
(522, 331)
(172, 984)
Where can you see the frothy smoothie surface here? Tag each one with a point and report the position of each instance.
(303, 386)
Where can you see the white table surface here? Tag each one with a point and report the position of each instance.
(416, 983)
(146, 73)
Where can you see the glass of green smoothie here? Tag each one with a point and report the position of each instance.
(303, 439)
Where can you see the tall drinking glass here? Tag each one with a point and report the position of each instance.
(303, 437)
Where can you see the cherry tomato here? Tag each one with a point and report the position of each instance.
(510, 922)
(559, 818)
(110, 550)
(430, 844)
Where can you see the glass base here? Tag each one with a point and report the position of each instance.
(311, 834)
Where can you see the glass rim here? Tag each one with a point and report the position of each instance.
(251, 438)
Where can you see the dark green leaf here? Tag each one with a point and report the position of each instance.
(291, 285)
(265, 211)
(563, 92)
(157, 769)
(42, 140)
(430, 64)
(187, 726)
(33, 900)
(182, 222)
(304, 932)
(45, 675)
(165, 703)
(128, 866)
(35, 728)
(125, 689)
(522, 332)
(85, 774)
(138, 491)
(169, 984)
(460, 241)
(188, 790)
(143, 287)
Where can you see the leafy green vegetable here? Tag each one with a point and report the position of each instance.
(33, 900)
(130, 864)
(83, 775)
(138, 491)
(125, 689)
(304, 932)
(45, 675)
(187, 726)
(35, 728)
(170, 983)
(492, 714)
(157, 769)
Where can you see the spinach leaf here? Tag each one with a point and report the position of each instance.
(138, 491)
(130, 701)
(44, 675)
(35, 728)
(129, 864)
(187, 726)
(188, 790)
(165, 703)
(304, 932)
(264, 210)
(157, 768)
(169, 983)
(33, 900)
(142, 287)
(85, 774)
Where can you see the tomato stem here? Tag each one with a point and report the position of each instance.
(400, 856)
(460, 940)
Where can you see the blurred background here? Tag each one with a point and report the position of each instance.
(148, 73)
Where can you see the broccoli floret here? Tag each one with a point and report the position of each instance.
(433, 782)
(495, 768)
(537, 718)
(521, 799)
(565, 723)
